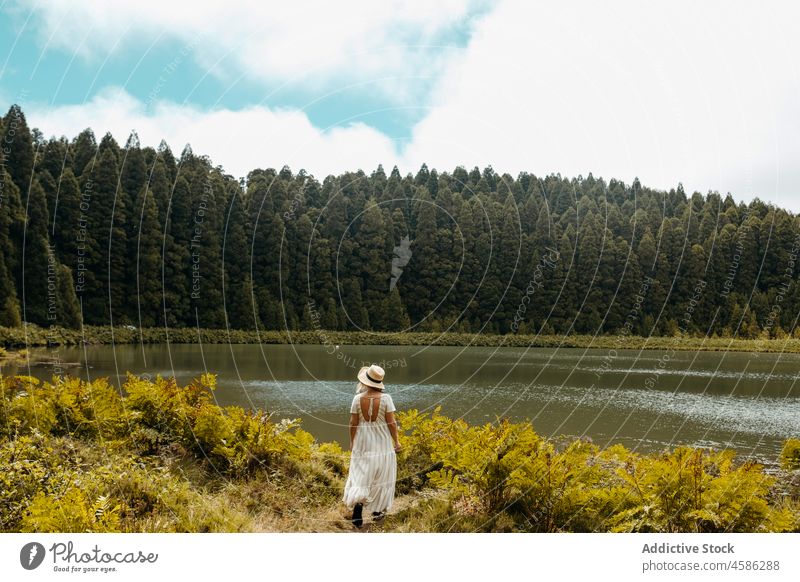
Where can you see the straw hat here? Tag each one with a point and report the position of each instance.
(371, 376)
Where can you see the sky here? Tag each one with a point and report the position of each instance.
(704, 94)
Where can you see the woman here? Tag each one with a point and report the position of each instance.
(373, 444)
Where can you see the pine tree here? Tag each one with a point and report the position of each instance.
(329, 319)
(207, 303)
(357, 317)
(103, 277)
(419, 277)
(66, 224)
(145, 261)
(176, 265)
(374, 263)
(69, 309)
(9, 304)
(18, 148)
(11, 219)
(83, 151)
(396, 315)
(38, 278)
(55, 158)
(241, 303)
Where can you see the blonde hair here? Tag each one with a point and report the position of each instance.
(360, 388)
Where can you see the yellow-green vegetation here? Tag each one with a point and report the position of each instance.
(80, 456)
(13, 355)
(790, 456)
(33, 336)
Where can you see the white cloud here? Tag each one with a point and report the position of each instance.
(701, 93)
(312, 42)
(704, 94)
(240, 141)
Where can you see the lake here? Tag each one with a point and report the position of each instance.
(646, 400)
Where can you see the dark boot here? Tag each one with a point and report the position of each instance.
(357, 520)
(378, 515)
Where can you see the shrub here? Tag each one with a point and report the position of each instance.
(73, 511)
(790, 455)
(507, 468)
(695, 490)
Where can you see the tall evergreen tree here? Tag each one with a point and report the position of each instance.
(18, 148)
(145, 260)
(99, 189)
(374, 264)
(83, 151)
(11, 220)
(38, 277)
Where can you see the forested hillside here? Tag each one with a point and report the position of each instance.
(131, 235)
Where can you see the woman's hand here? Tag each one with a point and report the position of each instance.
(397, 447)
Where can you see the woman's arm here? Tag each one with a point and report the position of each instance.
(391, 422)
(353, 427)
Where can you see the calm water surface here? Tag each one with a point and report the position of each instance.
(644, 400)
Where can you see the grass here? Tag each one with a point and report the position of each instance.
(34, 336)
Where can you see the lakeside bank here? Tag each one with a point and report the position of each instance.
(35, 336)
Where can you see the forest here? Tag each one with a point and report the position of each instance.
(129, 235)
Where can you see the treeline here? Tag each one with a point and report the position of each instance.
(99, 233)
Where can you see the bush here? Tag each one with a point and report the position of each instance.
(695, 490)
(71, 512)
(790, 455)
(508, 469)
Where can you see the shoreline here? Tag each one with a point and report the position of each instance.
(35, 336)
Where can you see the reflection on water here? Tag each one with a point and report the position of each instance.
(645, 400)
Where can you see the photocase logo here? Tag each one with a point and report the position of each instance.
(31, 555)
(402, 254)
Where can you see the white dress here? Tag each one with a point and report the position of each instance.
(373, 463)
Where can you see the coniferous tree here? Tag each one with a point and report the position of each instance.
(374, 264)
(241, 303)
(67, 229)
(419, 277)
(176, 264)
(83, 151)
(18, 148)
(145, 261)
(69, 310)
(11, 219)
(207, 304)
(99, 190)
(38, 277)
(54, 158)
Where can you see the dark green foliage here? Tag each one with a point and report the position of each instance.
(38, 272)
(145, 254)
(790, 456)
(65, 220)
(69, 309)
(11, 219)
(9, 305)
(83, 149)
(152, 240)
(18, 154)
